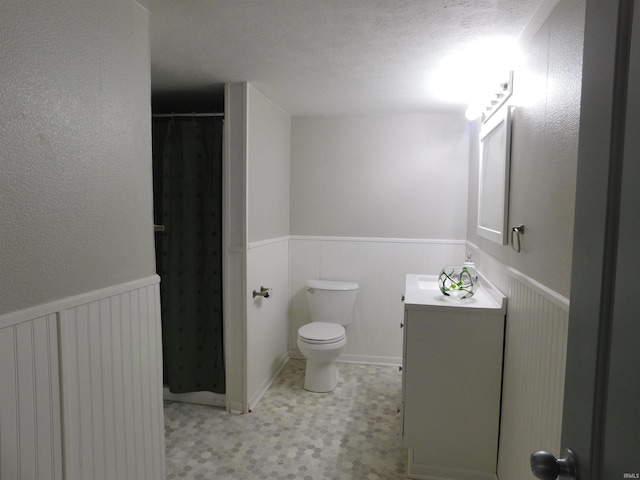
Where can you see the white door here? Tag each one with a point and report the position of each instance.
(601, 419)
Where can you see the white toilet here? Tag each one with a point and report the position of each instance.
(332, 305)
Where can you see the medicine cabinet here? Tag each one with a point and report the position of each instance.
(493, 178)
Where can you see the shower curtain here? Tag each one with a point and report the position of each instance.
(187, 171)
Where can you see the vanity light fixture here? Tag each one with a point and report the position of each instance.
(496, 99)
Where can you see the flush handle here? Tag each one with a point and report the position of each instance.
(546, 466)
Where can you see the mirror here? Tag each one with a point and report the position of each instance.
(493, 187)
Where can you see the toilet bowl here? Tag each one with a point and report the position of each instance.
(332, 306)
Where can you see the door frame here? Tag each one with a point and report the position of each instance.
(234, 245)
(594, 311)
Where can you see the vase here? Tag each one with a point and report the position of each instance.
(458, 281)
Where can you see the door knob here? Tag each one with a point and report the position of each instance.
(546, 466)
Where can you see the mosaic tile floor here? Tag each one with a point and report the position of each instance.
(350, 433)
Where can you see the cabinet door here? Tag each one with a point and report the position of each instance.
(453, 371)
(404, 370)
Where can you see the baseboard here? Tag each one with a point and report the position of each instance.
(200, 398)
(370, 360)
(359, 359)
(262, 389)
(426, 472)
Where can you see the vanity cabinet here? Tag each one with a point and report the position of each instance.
(451, 384)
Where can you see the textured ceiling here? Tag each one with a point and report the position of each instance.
(324, 57)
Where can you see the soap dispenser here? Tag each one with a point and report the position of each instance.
(468, 262)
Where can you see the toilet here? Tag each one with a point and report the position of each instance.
(332, 306)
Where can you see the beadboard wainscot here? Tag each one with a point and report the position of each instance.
(379, 266)
(87, 396)
(30, 429)
(267, 317)
(534, 365)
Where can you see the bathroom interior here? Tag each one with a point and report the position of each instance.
(369, 198)
(336, 191)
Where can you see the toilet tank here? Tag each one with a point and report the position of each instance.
(332, 301)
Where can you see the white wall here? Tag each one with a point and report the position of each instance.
(267, 318)
(268, 165)
(373, 198)
(75, 163)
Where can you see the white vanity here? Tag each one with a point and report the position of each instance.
(451, 380)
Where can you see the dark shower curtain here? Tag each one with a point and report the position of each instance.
(187, 171)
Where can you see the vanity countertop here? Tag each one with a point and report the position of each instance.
(422, 292)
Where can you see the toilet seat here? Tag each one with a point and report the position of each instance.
(321, 333)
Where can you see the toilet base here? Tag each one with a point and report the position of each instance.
(320, 377)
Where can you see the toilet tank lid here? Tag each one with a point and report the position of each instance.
(331, 285)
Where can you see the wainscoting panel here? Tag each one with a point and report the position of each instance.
(111, 369)
(30, 443)
(534, 367)
(267, 318)
(380, 266)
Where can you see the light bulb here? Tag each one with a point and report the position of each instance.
(472, 113)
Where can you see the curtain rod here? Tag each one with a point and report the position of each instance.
(189, 115)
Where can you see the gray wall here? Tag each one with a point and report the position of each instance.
(268, 143)
(75, 154)
(392, 175)
(544, 152)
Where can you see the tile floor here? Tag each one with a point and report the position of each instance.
(350, 433)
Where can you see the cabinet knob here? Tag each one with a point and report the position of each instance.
(400, 368)
(401, 325)
(403, 298)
